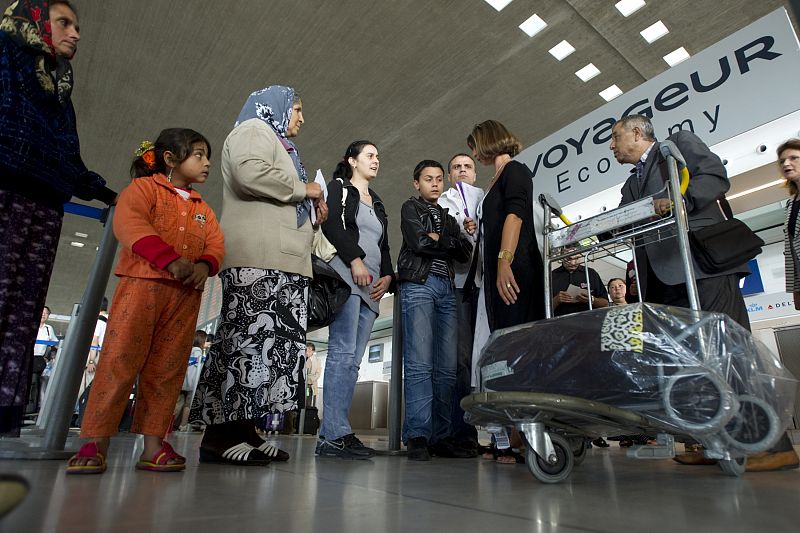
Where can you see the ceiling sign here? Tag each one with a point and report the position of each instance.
(743, 81)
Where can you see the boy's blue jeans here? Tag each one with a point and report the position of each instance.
(348, 335)
(429, 357)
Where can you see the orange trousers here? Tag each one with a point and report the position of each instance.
(149, 334)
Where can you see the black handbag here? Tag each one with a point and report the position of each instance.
(724, 245)
(327, 294)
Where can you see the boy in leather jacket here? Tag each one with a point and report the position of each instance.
(432, 241)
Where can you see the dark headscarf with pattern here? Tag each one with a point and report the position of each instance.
(27, 23)
(273, 105)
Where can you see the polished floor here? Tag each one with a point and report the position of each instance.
(607, 493)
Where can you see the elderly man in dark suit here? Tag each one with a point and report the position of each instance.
(661, 274)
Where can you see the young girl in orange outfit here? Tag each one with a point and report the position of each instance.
(171, 243)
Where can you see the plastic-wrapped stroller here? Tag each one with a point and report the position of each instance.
(636, 369)
(676, 373)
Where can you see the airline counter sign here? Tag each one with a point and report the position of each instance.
(766, 306)
(745, 80)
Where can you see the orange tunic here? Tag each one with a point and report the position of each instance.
(153, 317)
(151, 206)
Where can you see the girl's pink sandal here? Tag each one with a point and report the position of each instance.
(160, 461)
(87, 451)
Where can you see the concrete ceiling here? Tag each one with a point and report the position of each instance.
(413, 76)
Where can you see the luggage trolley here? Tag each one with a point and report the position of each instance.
(699, 392)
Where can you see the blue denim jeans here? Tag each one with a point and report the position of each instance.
(348, 335)
(429, 357)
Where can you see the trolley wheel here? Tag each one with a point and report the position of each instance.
(696, 400)
(579, 449)
(733, 467)
(552, 473)
(754, 426)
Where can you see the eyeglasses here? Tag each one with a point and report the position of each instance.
(791, 158)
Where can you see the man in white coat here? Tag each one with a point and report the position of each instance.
(462, 200)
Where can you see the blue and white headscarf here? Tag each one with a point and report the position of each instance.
(273, 105)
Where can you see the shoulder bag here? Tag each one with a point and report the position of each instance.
(724, 245)
(326, 295)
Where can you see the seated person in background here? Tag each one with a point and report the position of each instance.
(617, 292)
(572, 272)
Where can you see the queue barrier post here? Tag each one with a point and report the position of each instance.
(76, 348)
(396, 382)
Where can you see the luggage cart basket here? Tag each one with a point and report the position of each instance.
(556, 426)
(633, 225)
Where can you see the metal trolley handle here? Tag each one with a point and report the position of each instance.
(675, 160)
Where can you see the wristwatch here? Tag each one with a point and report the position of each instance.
(505, 254)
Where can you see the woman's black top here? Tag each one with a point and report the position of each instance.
(512, 194)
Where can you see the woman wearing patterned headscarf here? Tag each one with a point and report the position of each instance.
(251, 375)
(40, 170)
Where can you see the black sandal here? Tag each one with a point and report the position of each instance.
(238, 443)
(239, 454)
(276, 454)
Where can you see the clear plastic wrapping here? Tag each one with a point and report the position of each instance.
(689, 373)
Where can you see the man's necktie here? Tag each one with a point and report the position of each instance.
(640, 170)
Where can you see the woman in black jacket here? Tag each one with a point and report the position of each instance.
(356, 226)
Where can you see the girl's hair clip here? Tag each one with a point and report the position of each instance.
(147, 151)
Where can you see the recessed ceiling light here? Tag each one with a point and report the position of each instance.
(533, 25)
(610, 93)
(561, 50)
(654, 32)
(77, 244)
(498, 4)
(81, 235)
(676, 56)
(628, 7)
(588, 72)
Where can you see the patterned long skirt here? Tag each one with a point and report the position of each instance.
(29, 234)
(252, 367)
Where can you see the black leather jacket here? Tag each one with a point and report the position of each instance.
(419, 250)
(342, 231)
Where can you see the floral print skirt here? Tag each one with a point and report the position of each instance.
(252, 367)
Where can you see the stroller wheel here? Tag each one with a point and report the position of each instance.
(754, 427)
(556, 472)
(697, 400)
(733, 467)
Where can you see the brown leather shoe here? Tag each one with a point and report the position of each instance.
(769, 461)
(695, 458)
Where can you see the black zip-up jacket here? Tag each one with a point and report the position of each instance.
(419, 250)
(342, 231)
